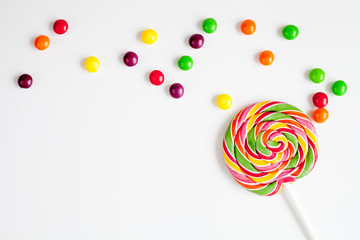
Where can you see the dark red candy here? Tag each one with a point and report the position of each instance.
(130, 59)
(60, 26)
(320, 99)
(196, 41)
(156, 77)
(25, 81)
(176, 90)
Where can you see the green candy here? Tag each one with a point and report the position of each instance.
(339, 88)
(185, 63)
(209, 25)
(317, 75)
(290, 32)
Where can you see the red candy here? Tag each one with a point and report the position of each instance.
(156, 77)
(60, 26)
(320, 99)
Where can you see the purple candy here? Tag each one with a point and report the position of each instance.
(25, 81)
(196, 41)
(130, 59)
(176, 90)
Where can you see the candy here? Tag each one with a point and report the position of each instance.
(92, 64)
(317, 75)
(156, 77)
(185, 63)
(339, 88)
(42, 42)
(25, 81)
(248, 27)
(196, 41)
(176, 90)
(224, 101)
(269, 144)
(209, 25)
(149, 36)
(266, 58)
(290, 32)
(130, 59)
(320, 115)
(60, 26)
(320, 99)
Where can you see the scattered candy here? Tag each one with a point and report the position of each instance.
(320, 115)
(92, 64)
(196, 41)
(264, 150)
(176, 90)
(224, 101)
(156, 77)
(130, 59)
(25, 81)
(42, 42)
(60, 26)
(209, 25)
(185, 63)
(320, 99)
(248, 27)
(266, 58)
(339, 88)
(149, 36)
(317, 75)
(290, 32)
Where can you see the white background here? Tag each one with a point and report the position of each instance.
(107, 155)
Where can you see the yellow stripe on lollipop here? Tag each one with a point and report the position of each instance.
(231, 164)
(256, 107)
(278, 125)
(303, 145)
(257, 162)
(265, 178)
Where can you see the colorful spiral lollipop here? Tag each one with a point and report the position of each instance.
(268, 144)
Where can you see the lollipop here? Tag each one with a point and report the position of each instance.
(268, 144)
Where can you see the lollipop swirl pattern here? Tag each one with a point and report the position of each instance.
(268, 144)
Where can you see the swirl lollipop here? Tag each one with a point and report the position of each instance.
(268, 144)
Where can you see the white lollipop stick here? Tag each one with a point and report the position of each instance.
(300, 217)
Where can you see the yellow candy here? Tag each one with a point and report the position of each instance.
(224, 101)
(149, 36)
(92, 64)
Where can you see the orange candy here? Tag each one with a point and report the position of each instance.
(42, 42)
(248, 27)
(320, 115)
(266, 58)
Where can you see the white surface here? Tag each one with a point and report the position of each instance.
(109, 156)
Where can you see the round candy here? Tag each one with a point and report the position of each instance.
(25, 81)
(320, 115)
(248, 27)
(269, 144)
(60, 26)
(209, 25)
(42, 42)
(149, 36)
(156, 77)
(224, 101)
(266, 58)
(290, 32)
(176, 90)
(130, 59)
(196, 41)
(185, 63)
(92, 64)
(317, 75)
(320, 99)
(339, 88)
